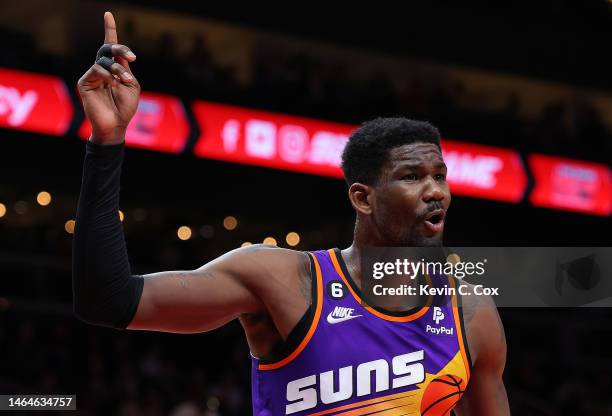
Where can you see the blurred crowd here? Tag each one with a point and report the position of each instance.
(125, 374)
(558, 363)
(131, 373)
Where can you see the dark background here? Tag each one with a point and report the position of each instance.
(558, 360)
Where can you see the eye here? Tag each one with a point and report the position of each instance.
(440, 177)
(410, 177)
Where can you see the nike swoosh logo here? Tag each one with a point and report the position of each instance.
(332, 320)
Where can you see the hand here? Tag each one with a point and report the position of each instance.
(110, 98)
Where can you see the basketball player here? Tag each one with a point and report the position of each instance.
(316, 349)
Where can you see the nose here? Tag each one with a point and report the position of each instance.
(433, 191)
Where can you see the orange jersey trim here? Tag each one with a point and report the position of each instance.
(381, 315)
(313, 325)
(460, 336)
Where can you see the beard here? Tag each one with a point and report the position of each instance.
(435, 241)
(413, 238)
(394, 235)
(396, 229)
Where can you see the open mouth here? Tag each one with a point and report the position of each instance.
(434, 221)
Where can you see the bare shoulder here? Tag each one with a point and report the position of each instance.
(263, 253)
(262, 266)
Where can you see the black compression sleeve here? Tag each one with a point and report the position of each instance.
(104, 291)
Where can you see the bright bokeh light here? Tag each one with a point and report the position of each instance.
(121, 216)
(293, 239)
(246, 244)
(2, 210)
(270, 241)
(69, 226)
(230, 223)
(184, 232)
(43, 198)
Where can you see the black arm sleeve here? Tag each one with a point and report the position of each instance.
(104, 291)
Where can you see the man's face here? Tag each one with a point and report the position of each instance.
(411, 197)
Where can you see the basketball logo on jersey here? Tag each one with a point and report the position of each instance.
(442, 394)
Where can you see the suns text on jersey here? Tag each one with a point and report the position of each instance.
(402, 370)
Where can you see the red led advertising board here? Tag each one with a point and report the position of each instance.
(41, 103)
(273, 140)
(571, 185)
(159, 124)
(484, 171)
(34, 102)
(240, 135)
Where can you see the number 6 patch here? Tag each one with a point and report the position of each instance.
(336, 289)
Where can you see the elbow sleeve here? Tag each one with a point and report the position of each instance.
(104, 291)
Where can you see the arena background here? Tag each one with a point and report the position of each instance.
(526, 77)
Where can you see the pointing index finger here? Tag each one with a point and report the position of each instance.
(110, 29)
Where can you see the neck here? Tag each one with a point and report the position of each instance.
(362, 238)
(352, 258)
(352, 255)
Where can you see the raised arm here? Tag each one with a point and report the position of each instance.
(109, 91)
(104, 290)
(106, 293)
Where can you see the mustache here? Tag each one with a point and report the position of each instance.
(431, 206)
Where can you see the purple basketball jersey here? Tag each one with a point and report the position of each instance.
(358, 360)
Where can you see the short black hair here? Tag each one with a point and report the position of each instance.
(368, 147)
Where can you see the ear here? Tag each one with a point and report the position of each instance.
(360, 196)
